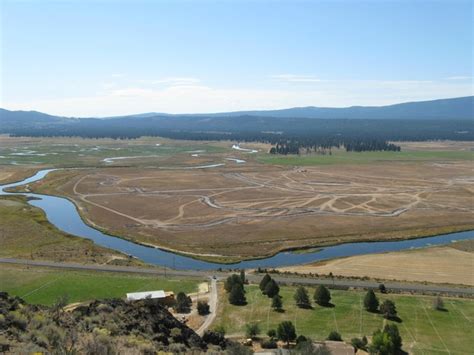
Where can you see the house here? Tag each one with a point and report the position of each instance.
(166, 298)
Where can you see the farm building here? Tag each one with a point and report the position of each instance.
(162, 296)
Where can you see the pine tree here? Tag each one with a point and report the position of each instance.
(237, 296)
(322, 296)
(277, 304)
(271, 289)
(301, 297)
(388, 309)
(371, 303)
(264, 282)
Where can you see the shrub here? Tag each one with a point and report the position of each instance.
(269, 344)
(252, 330)
(334, 336)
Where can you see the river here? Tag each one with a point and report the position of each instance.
(63, 214)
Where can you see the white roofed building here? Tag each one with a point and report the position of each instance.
(166, 297)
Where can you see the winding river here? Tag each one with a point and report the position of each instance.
(63, 214)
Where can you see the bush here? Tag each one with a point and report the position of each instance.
(214, 337)
(358, 343)
(269, 344)
(334, 336)
(438, 304)
(272, 333)
(252, 330)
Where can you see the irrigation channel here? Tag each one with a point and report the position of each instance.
(63, 214)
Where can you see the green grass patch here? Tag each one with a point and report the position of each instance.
(423, 329)
(44, 286)
(343, 157)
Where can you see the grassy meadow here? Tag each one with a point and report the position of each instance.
(343, 157)
(44, 285)
(424, 330)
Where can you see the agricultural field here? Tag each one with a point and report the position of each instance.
(26, 233)
(222, 202)
(44, 285)
(450, 264)
(423, 329)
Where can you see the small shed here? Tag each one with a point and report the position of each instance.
(160, 295)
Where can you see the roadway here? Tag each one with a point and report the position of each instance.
(283, 279)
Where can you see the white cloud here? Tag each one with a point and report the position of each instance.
(459, 77)
(192, 97)
(292, 78)
(172, 81)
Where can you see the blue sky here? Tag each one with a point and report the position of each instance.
(99, 58)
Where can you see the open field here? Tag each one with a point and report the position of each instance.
(26, 233)
(191, 197)
(341, 157)
(424, 330)
(43, 286)
(451, 264)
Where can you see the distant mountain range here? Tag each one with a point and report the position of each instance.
(456, 108)
(459, 109)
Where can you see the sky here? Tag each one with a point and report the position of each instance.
(105, 58)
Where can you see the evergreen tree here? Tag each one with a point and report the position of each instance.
(237, 296)
(371, 303)
(271, 289)
(264, 282)
(232, 280)
(381, 344)
(388, 309)
(394, 334)
(183, 303)
(301, 297)
(286, 332)
(322, 296)
(334, 336)
(277, 304)
(242, 276)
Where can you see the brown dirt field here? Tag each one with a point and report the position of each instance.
(445, 265)
(253, 210)
(437, 145)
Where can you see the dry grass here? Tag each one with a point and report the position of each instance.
(251, 210)
(25, 233)
(437, 265)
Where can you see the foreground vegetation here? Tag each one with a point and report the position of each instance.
(423, 329)
(44, 286)
(102, 327)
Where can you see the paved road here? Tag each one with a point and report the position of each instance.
(213, 299)
(396, 286)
